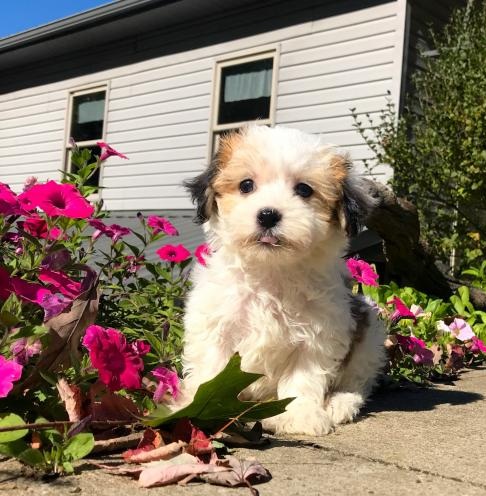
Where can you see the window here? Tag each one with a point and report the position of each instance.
(86, 125)
(244, 92)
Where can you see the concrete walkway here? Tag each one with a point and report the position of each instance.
(408, 442)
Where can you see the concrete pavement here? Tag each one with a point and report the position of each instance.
(407, 442)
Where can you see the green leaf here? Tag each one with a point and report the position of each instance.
(11, 420)
(68, 467)
(79, 446)
(32, 457)
(216, 401)
(14, 448)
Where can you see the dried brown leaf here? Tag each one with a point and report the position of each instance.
(162, 453)
(71, 397)
(106, 405)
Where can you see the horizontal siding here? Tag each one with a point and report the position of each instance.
(159, 109)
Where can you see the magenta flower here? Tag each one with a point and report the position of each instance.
(401, 311)
(202, 252)
(477, 345)
(458, 328)
(61, 282)
(172, 253)
(9, 203)
(168, 381)
(28, 291)
(57, 199)
(119, 363)
(421, 355)
(10, 371)
(5, 284)
(22, 350)
(36, 226)
(108, 151)
(362, 272)
(29, 182)
(161, 224)
(113, 231)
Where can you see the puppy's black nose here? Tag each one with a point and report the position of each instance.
(268, 217)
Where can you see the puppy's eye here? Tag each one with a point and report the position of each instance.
(247, 186)
(303, 190)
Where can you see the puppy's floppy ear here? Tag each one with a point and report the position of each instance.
(355, 203)
(202, 192)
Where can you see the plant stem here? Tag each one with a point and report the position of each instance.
(63, 423)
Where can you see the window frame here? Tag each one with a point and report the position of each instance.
(72, 94)
(241, 57)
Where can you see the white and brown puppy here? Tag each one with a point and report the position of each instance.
(278, 206)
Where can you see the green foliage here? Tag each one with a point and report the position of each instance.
(216, 401)
(437, 148)
(477, 275)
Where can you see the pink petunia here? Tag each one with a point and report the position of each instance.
(401, 310)
(107, 151)
(23, 349)
(113, 231)
(10, 371)
(5, 284)
(458, 328)
(168, 382)
(63, 284)
(57, 199)
(9, 203)
(362, 272)
(29, 182)
(54, 304)
(119, 363)
(37, 227)
(28, 291)
(172, 253)
(161, 224)
(477, 346)
(202, 253)
(134, 263)
(421, 355)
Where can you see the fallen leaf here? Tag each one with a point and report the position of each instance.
(241, 473)
(118, 443)
(71, 397)
(198, 444)
(106, 405)
(119, 469)
(162, 453)
(163, 475)
(65, 333)
(437, 351)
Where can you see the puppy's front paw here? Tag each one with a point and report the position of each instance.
(343, 407)
(302, 418)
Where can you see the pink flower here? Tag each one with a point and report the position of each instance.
(421, 355)
(61, 282)
(119, 363)
(458, 328)
(9, 203)
(477, 345)
(161, 224)
(362, 272)
(113, 231)
(57, 199)
(134, 263)
(10, 371)
(172, 253)
(36, 226)
(22, 350)
(202, 252)
(168, 381)
(56, 260)
(401, 311)
(29, 182)
(108, 151)
(54, 305)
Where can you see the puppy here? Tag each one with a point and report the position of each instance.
(277, 206)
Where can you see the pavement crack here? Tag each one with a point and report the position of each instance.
(408, 468)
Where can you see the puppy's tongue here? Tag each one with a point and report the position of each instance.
(271, 240)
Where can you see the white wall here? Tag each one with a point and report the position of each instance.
(159, 109)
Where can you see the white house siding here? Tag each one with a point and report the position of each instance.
(159, 109)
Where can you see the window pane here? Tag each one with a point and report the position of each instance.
(245, 91)
(88, 115)
(94, 180)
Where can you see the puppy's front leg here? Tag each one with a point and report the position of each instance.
(305, 380)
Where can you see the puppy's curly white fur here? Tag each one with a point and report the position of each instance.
(278, 205)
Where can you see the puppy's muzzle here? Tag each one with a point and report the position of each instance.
(268, 217)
